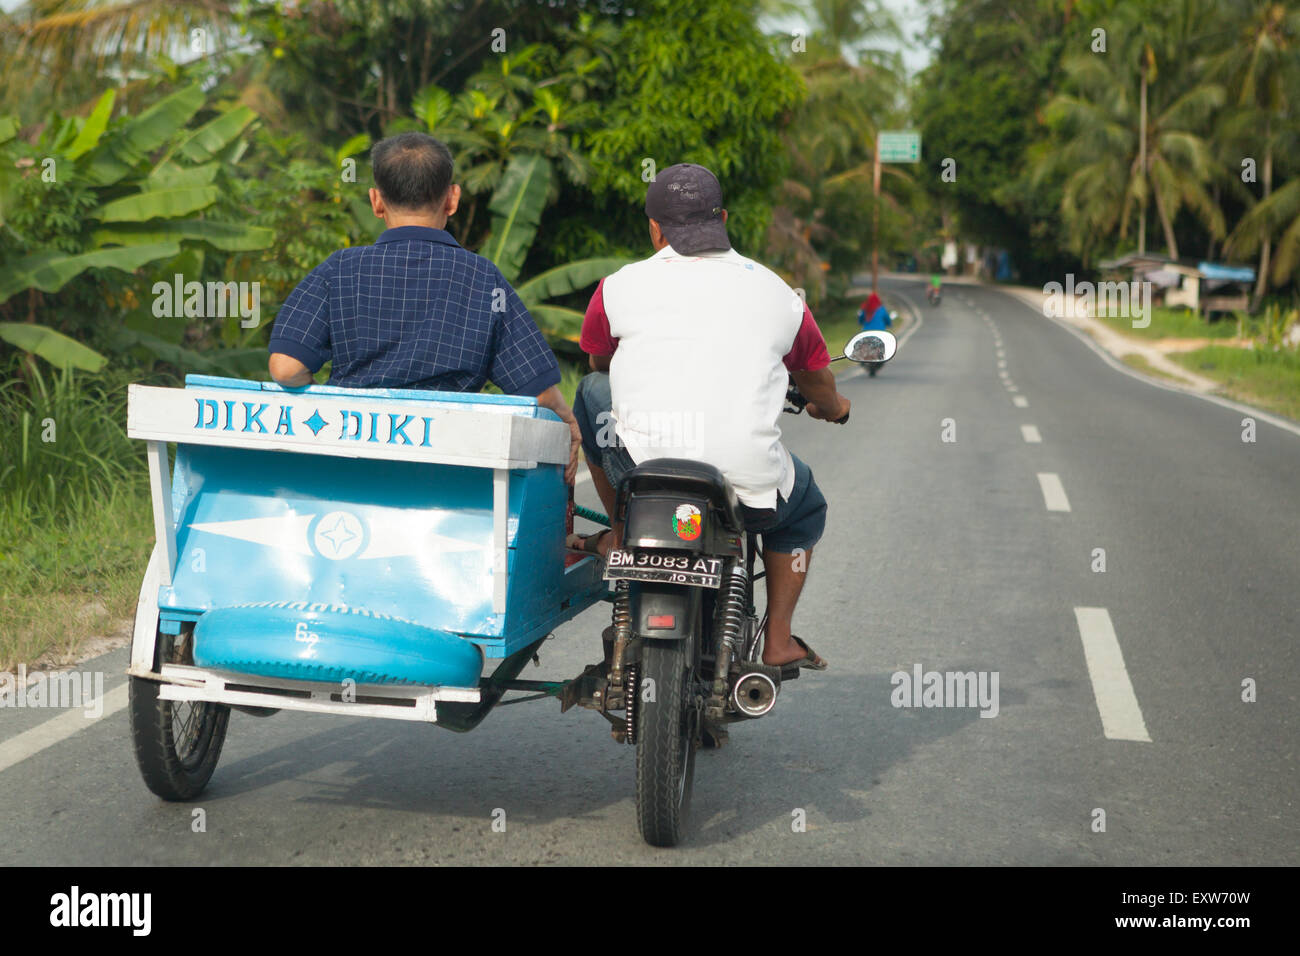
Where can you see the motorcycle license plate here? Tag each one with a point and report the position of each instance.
(695, 570)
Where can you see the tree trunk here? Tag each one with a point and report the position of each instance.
(1261, 280)
(1168, 226)
(1142, 165)
(1214, 194)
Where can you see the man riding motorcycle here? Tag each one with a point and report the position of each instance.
(699, 344)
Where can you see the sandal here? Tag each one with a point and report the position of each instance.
(811, 660)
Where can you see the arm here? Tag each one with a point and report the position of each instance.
(300, 338)
(288, 372)
(809, 364)
(824, 401)
(596, 339)
(552, 399)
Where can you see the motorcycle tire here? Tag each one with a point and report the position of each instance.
(667, 735)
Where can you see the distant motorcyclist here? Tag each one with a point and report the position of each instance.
(935, 291)
(873, 314)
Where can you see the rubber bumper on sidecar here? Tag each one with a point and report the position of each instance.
(319, 642)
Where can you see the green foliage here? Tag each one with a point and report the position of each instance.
(823, 219)
(692, 81)
(516, 209)
(980, 103)
(67, 445)
(302, 199)
(57, 349)
(90, 206)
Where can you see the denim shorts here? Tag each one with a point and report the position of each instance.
(796, 523)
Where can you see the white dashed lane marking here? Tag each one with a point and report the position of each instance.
(1031, 435)
(1020, 401)
(1053, 491)
(1121, 717)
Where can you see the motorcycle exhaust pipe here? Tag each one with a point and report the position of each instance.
(754, 695)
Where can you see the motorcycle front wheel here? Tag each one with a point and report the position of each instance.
(667, 733)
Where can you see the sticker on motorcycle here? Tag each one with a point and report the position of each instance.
(687, 522)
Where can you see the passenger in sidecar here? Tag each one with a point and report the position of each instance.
(415, 310)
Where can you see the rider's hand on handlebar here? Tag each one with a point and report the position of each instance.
(835, 415)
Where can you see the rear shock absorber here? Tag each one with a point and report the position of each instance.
(622, 630)
(731, 619)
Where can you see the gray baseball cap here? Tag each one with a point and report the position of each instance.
(686, 201)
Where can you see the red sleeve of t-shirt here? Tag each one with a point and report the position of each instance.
(596, 338)
(808, 353)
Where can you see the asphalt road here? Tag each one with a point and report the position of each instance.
(938, 553)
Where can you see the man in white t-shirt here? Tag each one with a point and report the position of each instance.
(699, 343)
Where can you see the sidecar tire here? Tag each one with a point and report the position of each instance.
(174, 769)
(333, 643)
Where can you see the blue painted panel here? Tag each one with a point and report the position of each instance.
(405, 539)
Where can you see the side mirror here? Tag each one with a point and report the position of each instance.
(871, 348)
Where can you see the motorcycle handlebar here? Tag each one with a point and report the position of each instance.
(795, 402)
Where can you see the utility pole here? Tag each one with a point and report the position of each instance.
(875, 217)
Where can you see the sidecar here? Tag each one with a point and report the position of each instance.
(374, 552)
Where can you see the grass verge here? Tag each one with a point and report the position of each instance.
(1139, 363)
(1182, 324)
(1260, 377)
(78, 577)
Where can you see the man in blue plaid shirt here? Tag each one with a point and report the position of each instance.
(415, 310)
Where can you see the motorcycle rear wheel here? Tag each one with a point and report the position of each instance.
(668, 729)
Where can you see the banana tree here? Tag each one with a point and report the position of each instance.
(516, 208)
(142, 209)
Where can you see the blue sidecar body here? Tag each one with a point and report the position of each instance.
(387, 540)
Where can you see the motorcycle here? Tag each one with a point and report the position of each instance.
(934, 294)
(383, 585)
(687, 640)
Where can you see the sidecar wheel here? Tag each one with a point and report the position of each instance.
(665, 745)
(177, 743)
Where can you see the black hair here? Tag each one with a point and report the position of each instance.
(412, 170)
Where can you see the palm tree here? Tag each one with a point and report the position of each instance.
(1263, 68)
(62, 40)
(1132, 131)
(852, 87)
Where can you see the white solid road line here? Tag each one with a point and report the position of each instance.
(1030, 434)
(1121, 717)
(1020, 401)
(1119, 366)
(56, 729)
(1053, 491)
